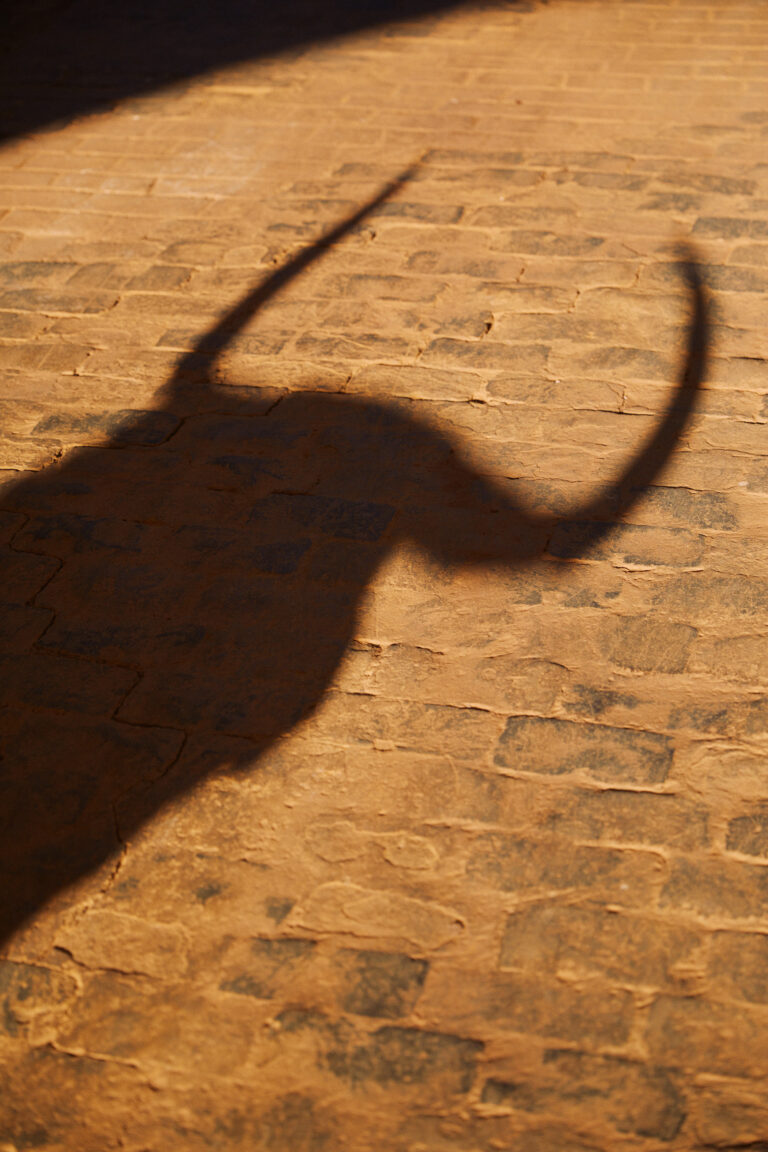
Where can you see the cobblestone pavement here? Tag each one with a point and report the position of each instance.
(334, 823)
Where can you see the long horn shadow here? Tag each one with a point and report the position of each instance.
(214, 342)
(178, 599)
(652, 456)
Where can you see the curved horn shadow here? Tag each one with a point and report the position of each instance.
(652, 456)
(214, 342)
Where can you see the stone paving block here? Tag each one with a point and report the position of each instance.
(609, 754)
(589, 940)
(516, 865)
(524, 1004)
(116, 1026)
(630, 1097)
(681, 1033)
(722, 1114)
(25, 575)
(727, 888)
(631, 816)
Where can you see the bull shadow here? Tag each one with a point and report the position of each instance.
(199, 578)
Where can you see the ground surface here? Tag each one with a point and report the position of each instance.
(506, 887)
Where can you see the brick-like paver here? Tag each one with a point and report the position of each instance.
(339, 811)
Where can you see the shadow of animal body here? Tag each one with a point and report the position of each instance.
(199, 579)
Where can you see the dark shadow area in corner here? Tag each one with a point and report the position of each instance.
(64, 58)
(180, 597)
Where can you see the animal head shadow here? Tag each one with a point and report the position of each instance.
(194, 583)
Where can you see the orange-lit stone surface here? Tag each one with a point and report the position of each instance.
(320, 832)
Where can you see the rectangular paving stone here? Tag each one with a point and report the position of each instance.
(737, 961)
(699, 1036)
(117, 1026)
(638, 544)
(650, 644)
(523, 1003)
(25, 574)
(553, 746)
(619, 947)
(631, 1097)
(718, 888)
(632, 816)
(515, 864)
(50, 681)
(380, 985)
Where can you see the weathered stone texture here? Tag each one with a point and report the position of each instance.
(323, 826)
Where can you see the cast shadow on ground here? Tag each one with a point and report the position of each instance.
(192, 585)
(65, 58)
